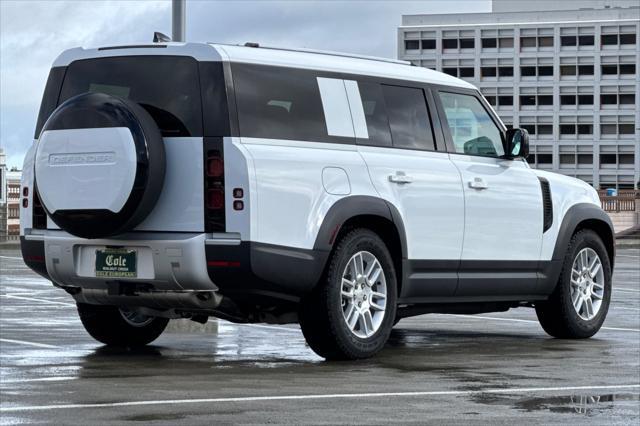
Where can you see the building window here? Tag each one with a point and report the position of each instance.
(545, 41)
(568, 70)
(585, 69)
(505, 42)
(489, 43)
(539, 127)
(613, 126)
(617, 97)
(568, 41)
(585, 159)
(463, 68)
(609, 39)
(488, 72)
(567, 129)
(501, 97)
(532, 96)
(450, 43)
(627, 68)
(586, 40)
(528, 42)
(541, 67)
(428, 44)
(544, 158)
(627, 39)
(618, 65)
(467, 43)
(505, 71)
(412, 44)
(585, 129)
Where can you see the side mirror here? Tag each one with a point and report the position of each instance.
(517, 143)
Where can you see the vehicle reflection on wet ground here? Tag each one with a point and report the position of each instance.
(491, 368)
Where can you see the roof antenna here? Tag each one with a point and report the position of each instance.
(158, 37)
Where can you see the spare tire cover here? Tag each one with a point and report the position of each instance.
(99, 165)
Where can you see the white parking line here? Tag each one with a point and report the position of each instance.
(624, 307)
(22, 342)
(628, 255)
(636, 330)
(53, 302)
(11, 257)
(270, 327)
(319, 396)
(41, 379)
(626, 289)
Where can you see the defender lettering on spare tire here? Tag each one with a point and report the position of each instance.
(99, 165)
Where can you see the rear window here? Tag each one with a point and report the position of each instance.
(166, 86)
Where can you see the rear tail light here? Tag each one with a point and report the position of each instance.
(214, 188)
(39, 215)
(215, 199)
(215, 167)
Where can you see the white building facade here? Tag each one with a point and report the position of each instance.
(567, 71)
(3, 196)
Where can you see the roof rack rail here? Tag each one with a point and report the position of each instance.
(322, 52)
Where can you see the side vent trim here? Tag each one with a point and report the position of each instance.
(547, 204)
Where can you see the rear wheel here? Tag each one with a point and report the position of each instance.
(579, 304)
(351, 312)
(120, 327)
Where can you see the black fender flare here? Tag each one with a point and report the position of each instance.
(357, 205)
(577, 214)
(572, 220)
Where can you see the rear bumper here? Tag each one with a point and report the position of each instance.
(166, 261)
(176, 270)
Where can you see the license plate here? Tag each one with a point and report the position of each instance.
(116, 263)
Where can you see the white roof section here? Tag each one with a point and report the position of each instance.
(293, 58)
(331, 62)
(199, 51)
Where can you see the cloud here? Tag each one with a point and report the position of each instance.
(33, 33)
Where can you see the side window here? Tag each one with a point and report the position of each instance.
(278, 103)
(375, 114)
(408, 117)
(472, 129)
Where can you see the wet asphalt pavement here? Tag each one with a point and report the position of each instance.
(442, 369)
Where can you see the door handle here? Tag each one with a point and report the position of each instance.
(478, 183)
(400, 177)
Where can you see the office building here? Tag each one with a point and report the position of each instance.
(567, 71)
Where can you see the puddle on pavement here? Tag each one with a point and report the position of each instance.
(587, 405)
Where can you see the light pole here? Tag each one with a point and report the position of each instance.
(178, 8)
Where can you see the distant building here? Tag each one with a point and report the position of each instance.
(13, 204)
(567, 71)
(3, 197)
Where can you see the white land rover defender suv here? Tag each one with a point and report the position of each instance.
(253, 184)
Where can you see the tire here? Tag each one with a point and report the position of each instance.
(107, 324)
(322, 313)
(557, 315)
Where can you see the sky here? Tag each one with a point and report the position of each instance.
(34, 33)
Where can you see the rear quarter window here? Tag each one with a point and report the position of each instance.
(279, 103)
(166, 86)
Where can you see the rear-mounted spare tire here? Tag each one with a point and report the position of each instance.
(100, 165)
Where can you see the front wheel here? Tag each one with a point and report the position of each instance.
(120, 327)
(579, 304)
(349, 315)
